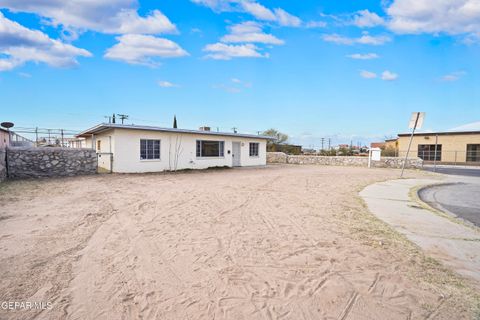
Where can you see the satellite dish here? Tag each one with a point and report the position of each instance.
(7, 125)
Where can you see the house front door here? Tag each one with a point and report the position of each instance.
(236, 154)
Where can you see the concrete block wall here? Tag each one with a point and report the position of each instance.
(30, 162)
(386, 162)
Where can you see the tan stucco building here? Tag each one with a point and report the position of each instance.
(451, 147)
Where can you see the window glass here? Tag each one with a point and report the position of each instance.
(149, 149)
(254, 149)
(473, 152)
(210, 148)
(427, 152)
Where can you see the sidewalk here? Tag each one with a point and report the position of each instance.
(455, 245)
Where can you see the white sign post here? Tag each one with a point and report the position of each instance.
(416, 122)
(374, 154)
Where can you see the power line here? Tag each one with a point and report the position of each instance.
(122, 116)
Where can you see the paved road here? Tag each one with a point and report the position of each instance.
(460, 199)
(459, 171)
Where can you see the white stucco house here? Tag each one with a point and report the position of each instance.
(132, 148)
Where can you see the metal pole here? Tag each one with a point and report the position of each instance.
(435, 156)
(63, 145)
(36, 136)
(409, 145)
(369, 158)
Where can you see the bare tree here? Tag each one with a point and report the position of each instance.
(174, 155)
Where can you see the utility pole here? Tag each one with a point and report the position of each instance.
(36, 136)
(329, 143)
(61, 131)
(323, 140)
(122, 117)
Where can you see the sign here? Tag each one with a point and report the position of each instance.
(416, 120)
(376, 153)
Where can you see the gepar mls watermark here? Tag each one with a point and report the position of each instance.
(25, 305)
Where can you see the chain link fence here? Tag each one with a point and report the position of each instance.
(444, 157)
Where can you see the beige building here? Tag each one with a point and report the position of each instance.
(131, 148)
(445, 147)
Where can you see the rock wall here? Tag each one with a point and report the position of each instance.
(276, 157)
(3, 165)
(25, 162)
(385, 162)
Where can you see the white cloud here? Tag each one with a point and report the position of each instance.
(366, 56)
(286, 19)
(364, 39)
(389, 76)
(221, 51)
(258, 11)
(250, 32)
(236, 86)
(425, 16)
(167, 84)
(454, 76)
(367, 19)
(143, 49)
(316, 24)
(20, 45)
(253, 8)
(106, 16)
(373, 40)
(367, 74)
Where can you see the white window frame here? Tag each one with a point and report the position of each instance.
(250, 149)
(221, 149)
(152, 151)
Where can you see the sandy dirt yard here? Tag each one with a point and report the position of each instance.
(282, 242)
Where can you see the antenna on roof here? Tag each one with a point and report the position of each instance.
(122, 116)
(113, 118)
(174, 121)
(109, 118)
(234, 129)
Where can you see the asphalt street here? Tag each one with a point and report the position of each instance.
(455, 170)
(461, 199)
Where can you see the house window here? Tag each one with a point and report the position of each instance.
(149, 149)
(473, 152)
(99, 145)
(210, 148)
(254, 149)
(427, 152)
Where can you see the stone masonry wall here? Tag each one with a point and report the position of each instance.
(385, 162)
(26, 162)
(3, 166)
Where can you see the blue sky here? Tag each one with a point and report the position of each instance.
(349, 70)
